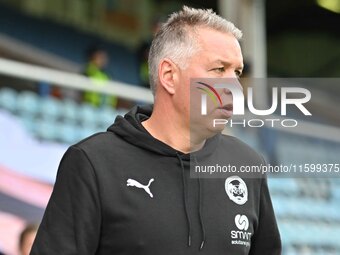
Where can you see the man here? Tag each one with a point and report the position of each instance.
(97, 60)
(128, 190)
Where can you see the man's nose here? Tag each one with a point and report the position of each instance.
(233, 79)
(239, 84)
(234, 82)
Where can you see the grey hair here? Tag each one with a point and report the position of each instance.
(173, 40)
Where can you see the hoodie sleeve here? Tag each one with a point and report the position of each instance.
(266, 240)
(72, 219)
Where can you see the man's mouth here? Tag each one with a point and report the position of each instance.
(227, 107)
(226, 110)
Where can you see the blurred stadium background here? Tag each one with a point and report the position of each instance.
(42, 111)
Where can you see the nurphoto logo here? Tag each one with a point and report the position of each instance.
(280, 99)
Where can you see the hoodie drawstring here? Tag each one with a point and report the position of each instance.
(185, 199)
(200, 208)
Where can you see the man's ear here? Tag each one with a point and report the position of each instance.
(167, 73)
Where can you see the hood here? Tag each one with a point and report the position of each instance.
(131, 130)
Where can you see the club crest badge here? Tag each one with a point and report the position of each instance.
(236, 190)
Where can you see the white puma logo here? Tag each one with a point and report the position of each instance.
(131, 182)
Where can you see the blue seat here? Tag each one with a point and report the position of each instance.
(29, 123)
(284, 186)
(86, 131)
(306, 209)
(105, 117)
(28, 102)
(87, 114)
(336, 194)
(69, 110)
(50, 108)
(8, 99)
(287, 232)
(67, 132)
(290, 250)
(46, 129)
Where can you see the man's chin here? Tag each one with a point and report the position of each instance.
(215, 129)
(209, 126)
(221, 113)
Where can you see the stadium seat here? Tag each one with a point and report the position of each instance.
(50, 108)
(67, 132)
(69, 110)
(290, 250)
(8, 99)
(306, 208)
(87, 114)
(283, 186)
(46, 129)
(88, 130)
(105, 117)
(28, 103)
(336, 194)
(311, 234)
(30, 123)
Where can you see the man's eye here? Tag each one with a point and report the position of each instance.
(220, 69)
(238, 73)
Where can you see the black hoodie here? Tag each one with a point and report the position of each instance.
(125, 192)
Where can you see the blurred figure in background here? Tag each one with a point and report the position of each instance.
(97, 59)
(26, 239)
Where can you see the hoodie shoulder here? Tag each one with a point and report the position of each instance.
(97, 142)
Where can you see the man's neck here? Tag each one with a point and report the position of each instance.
(168, 127)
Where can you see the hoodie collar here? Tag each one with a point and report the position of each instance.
(131, 130)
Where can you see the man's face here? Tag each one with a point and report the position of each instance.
(100, 59)
(219, 57)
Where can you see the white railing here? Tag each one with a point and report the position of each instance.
(73, 80)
